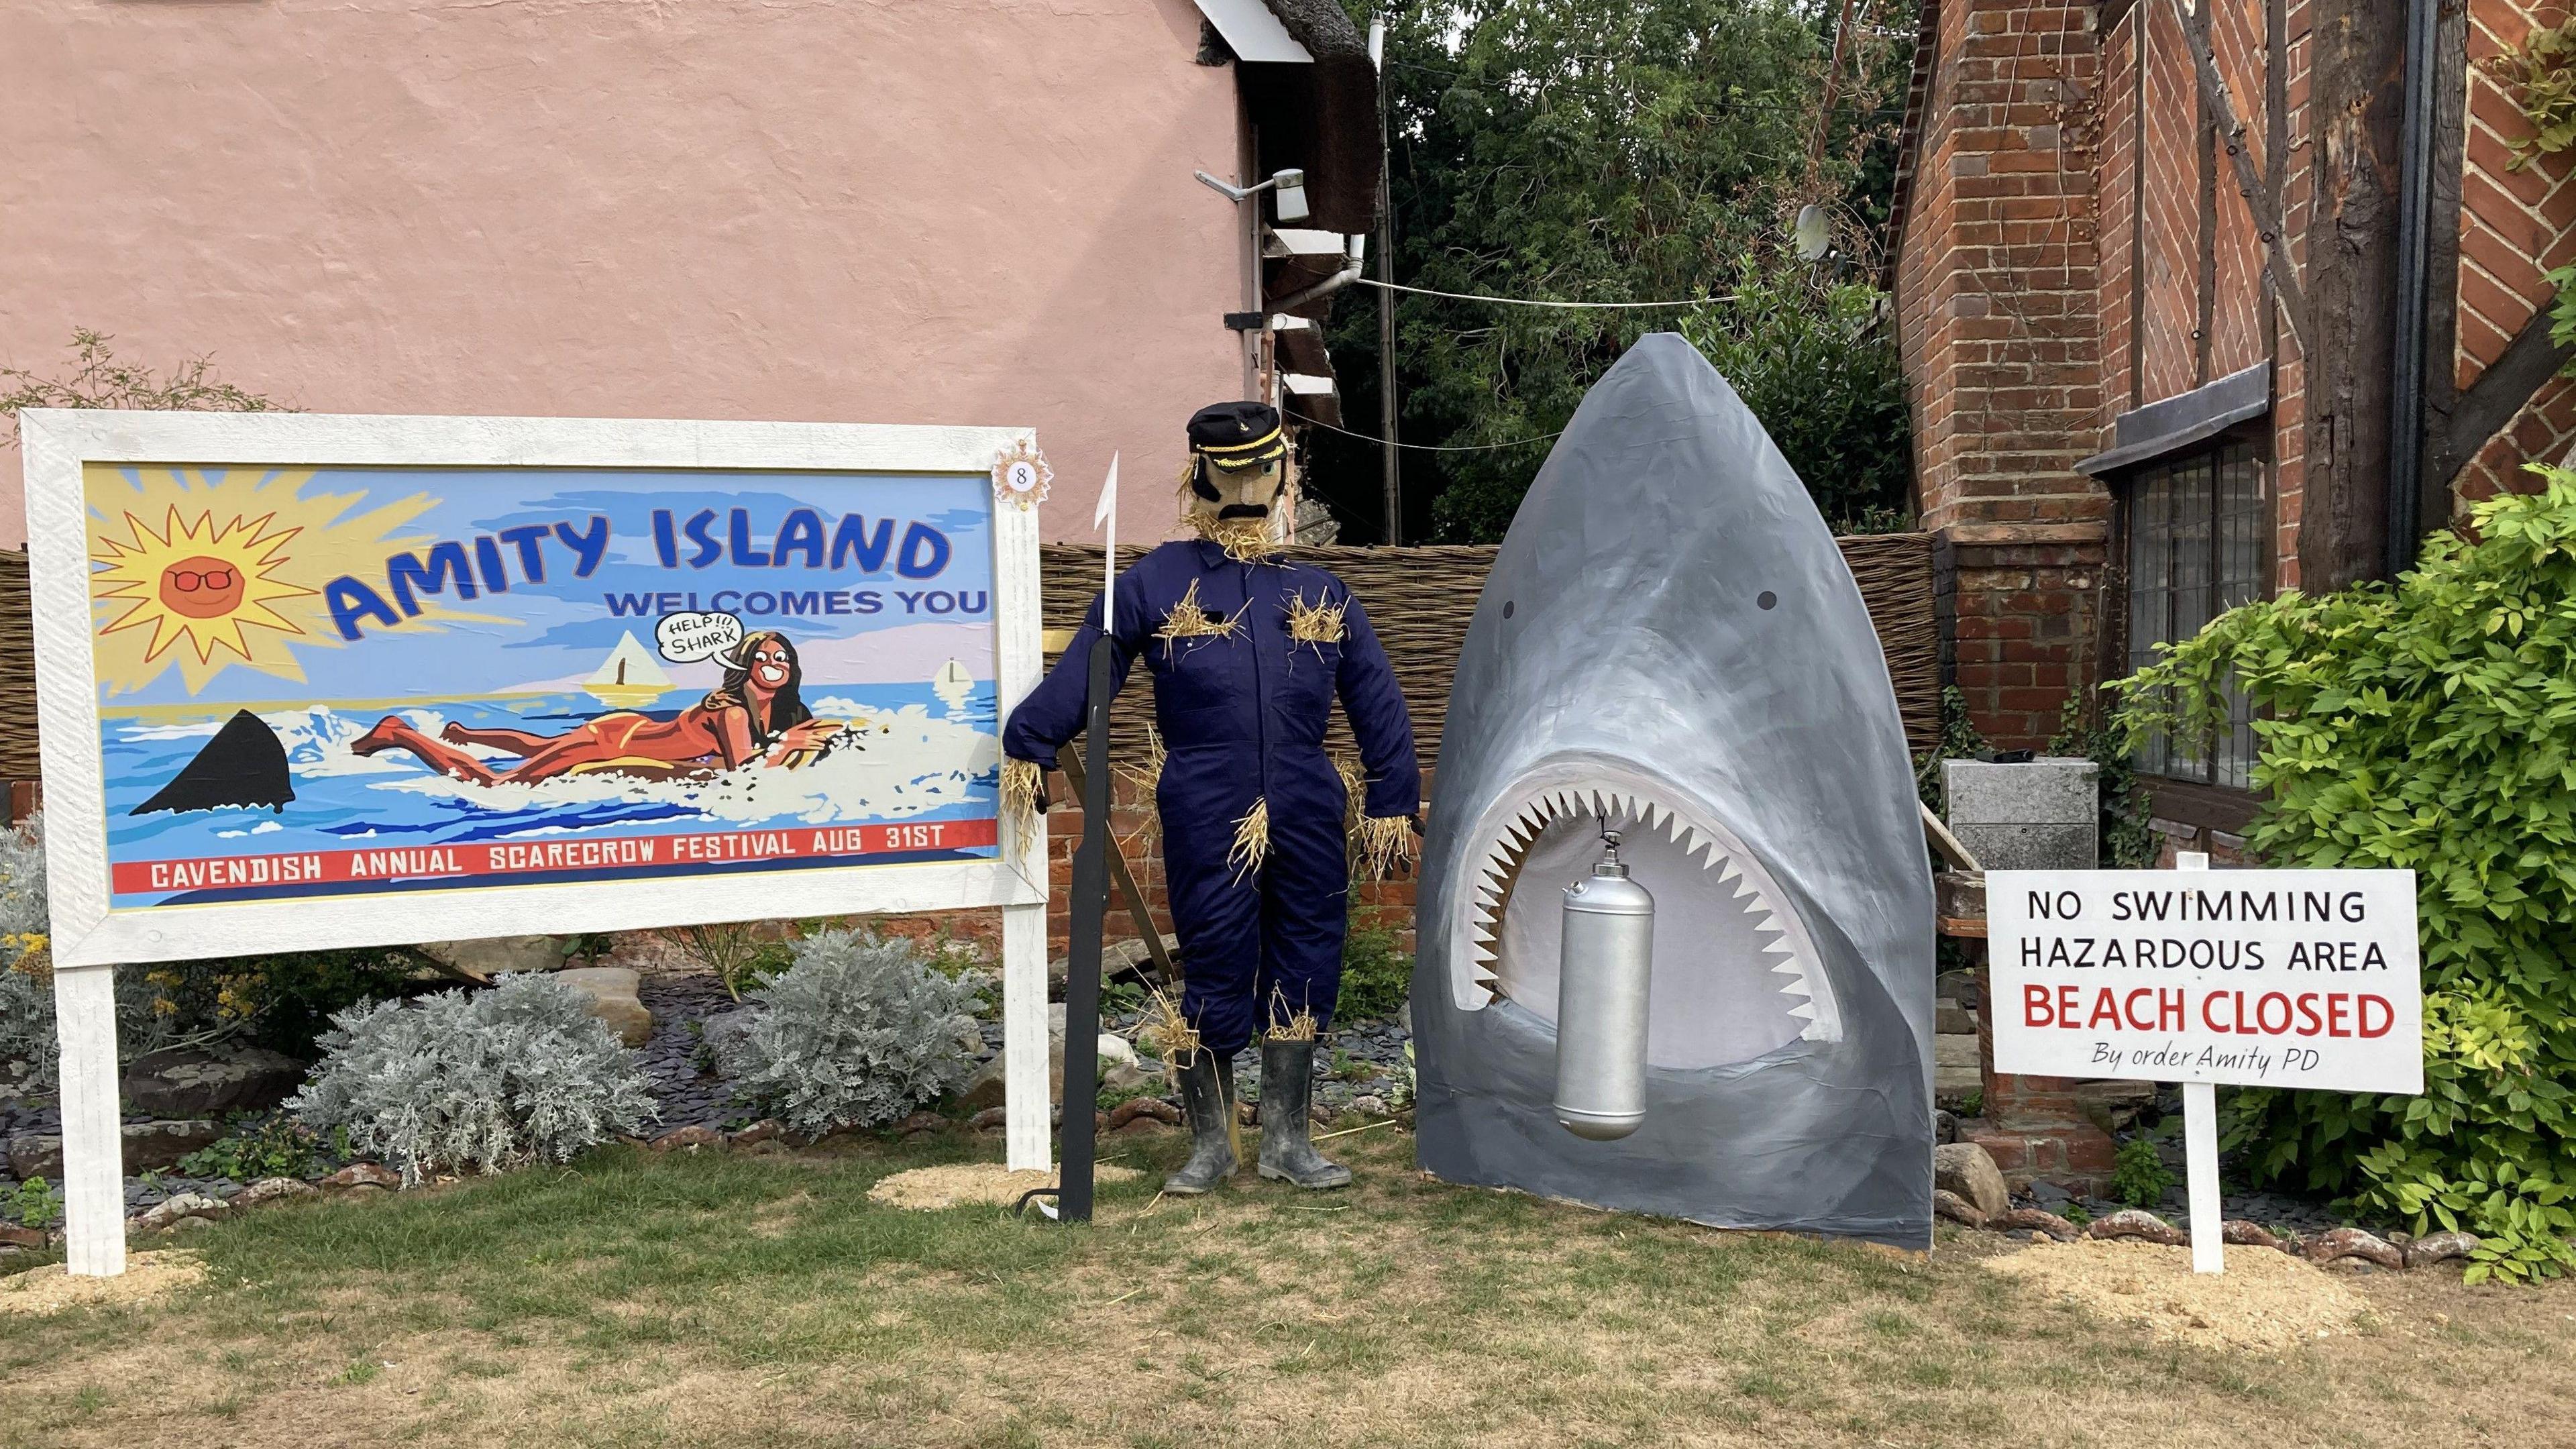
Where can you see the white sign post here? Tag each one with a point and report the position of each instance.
(2264, 978)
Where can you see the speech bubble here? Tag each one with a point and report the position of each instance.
(688, 638)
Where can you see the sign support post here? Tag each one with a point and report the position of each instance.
(2200, 1146)
(93, 1136)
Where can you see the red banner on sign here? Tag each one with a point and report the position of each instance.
(486, 859)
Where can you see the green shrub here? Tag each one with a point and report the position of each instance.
(2429, 726)
(1816, 360)
(2127, 835)
(34, 1203)
(2139, 1176)
(1375, 974)
(489, 1079)
(269, 1145)
(1960, 740)
(283, 1002)
(858, 1032)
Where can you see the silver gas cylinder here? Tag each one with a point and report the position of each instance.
(1603, 972)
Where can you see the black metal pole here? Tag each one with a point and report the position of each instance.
(1389, 461)
(1082, 970)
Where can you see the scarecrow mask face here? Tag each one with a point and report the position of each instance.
(1240, 492)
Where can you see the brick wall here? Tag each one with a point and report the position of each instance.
(1998, 298)
(2078, 244)
(2514, 225)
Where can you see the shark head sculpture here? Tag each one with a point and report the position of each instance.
(1670, 645)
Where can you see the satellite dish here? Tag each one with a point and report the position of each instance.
(1811, 235)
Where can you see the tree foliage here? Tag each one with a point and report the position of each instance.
(1619, 150)
(1815, 358)
(2431, 727)
(97, 378)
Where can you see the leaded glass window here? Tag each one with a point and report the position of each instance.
(2196, 525)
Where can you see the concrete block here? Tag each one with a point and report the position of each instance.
(2031, 847)
(2046, 791)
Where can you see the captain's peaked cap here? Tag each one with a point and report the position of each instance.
(1235, 435)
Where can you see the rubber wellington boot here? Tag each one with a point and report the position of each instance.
(1287, 1091)
(1207, 1095)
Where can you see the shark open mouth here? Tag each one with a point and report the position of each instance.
(1735, 973)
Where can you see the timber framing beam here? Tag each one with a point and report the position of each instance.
(2260, 196)
(2492, 402)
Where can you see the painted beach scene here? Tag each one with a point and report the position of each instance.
(344, 680)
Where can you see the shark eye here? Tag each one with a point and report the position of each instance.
(1507, 608)
(1768, 599)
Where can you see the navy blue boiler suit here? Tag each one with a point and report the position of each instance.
(1242, 717)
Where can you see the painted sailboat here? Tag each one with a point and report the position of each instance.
(952, 684)
(630, 678)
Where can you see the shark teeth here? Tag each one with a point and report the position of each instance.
(1729, 869)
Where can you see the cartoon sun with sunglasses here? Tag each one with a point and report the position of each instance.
(198, 582)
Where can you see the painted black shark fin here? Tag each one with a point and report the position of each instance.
(243, 765)
(1671, 645)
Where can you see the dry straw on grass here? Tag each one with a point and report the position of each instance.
(147, 1276)
(972, 1184)
(2265, 1300)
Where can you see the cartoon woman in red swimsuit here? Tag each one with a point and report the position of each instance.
(755, 714)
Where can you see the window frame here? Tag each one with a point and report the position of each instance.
(2204, 801)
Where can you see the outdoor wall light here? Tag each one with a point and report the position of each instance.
(1289, 183)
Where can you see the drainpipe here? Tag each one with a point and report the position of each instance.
(1352, 263)
(2414, 265)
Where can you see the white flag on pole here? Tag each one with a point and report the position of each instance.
(1106, 514)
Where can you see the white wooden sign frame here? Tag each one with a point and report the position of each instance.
(89, 939)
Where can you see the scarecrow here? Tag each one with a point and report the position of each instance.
(1248, 650)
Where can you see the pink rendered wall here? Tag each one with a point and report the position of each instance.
(936, 211)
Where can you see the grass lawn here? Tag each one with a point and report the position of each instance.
(762, 1300)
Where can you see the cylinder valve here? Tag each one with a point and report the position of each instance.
(1605, 967)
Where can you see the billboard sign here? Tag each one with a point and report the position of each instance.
(313, 681)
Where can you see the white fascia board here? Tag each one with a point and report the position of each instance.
(1253, 33)
(1301, 241)
(1306, 384)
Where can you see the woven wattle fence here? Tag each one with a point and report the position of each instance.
(1419, 601)
(19, 759)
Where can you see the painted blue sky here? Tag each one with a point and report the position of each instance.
(564, 626)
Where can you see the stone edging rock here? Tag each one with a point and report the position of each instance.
(2338, 1245)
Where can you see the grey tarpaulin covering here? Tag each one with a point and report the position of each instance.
(1670, 636)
